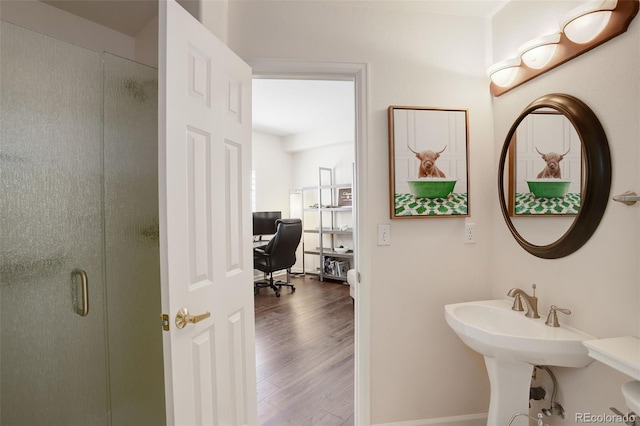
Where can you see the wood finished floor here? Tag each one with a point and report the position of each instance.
(304, 354)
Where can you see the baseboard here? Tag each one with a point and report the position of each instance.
(450, 421)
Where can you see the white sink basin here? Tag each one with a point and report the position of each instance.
(491, 328)
(512, 344)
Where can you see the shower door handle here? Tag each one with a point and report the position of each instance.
(83, 309)
(183, 318)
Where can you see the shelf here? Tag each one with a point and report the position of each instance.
(334, 277)
(329, 276)
(328, 209)
(330, 253)
(338, 186)
(330, 231)
(326, 224)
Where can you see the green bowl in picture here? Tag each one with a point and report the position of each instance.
(549, 188)
(431, 187)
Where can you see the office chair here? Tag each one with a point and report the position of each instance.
(278, 254)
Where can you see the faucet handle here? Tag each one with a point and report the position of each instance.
(552, 318)
(517, 303)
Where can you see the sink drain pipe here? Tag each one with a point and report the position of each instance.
(555, 409)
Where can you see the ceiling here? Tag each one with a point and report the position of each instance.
(128, 17)
(303, 107)
(280, 107)
(131, 16)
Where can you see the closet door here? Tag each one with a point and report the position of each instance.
(52, 324)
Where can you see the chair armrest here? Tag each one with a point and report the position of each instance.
(260, 252)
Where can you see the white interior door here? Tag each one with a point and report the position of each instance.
(205, 227)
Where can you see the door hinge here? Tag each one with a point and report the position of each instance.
(165, 321)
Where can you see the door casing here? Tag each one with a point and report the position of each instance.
(271, 68)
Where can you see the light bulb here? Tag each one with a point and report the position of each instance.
(538, 52)
(504, 72)
(584, 23)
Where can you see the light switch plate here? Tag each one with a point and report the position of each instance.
(384, 235)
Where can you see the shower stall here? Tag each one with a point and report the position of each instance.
(80, 332)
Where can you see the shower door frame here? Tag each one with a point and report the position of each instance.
(139, 231)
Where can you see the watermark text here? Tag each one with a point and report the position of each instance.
(605, 418)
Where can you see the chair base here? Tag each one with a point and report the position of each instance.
(275, 285)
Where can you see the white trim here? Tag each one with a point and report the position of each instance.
(458, 420)
(281, 68)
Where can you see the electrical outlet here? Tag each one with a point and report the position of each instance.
(384, 235)
(469, 233)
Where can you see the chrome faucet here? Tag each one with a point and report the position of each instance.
(530, 301)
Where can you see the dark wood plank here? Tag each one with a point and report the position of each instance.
(304, 354)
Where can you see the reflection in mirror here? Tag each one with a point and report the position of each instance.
(556, 166)
(542, 232)
(545, 163)
(545, 174)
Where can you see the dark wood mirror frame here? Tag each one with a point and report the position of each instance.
(597, 175)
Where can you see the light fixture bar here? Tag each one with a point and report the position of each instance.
(621, 16)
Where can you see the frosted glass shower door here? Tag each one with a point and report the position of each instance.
(132, 257)
(53, 368)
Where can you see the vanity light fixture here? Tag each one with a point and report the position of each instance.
(538, 52)
(504, 72)
(584, 28)
(585, 22)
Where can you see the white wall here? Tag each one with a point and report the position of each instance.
(599, 283)
(339, 157)
(146, 44)
(420, 369)
(62, 25)
(273, 168)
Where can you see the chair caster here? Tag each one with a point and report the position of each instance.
(293, 289)
(277, 294)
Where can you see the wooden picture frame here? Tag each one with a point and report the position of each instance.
(545, 139)
(428, 162)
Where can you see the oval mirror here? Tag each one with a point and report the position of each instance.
(555, 163)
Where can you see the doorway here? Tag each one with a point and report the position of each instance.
(273, 69)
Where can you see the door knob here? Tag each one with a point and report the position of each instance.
(183, 318)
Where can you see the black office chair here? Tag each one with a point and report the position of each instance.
(278, 254)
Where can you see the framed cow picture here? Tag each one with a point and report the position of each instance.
(428, 162)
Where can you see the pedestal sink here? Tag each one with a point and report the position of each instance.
(512, 344)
